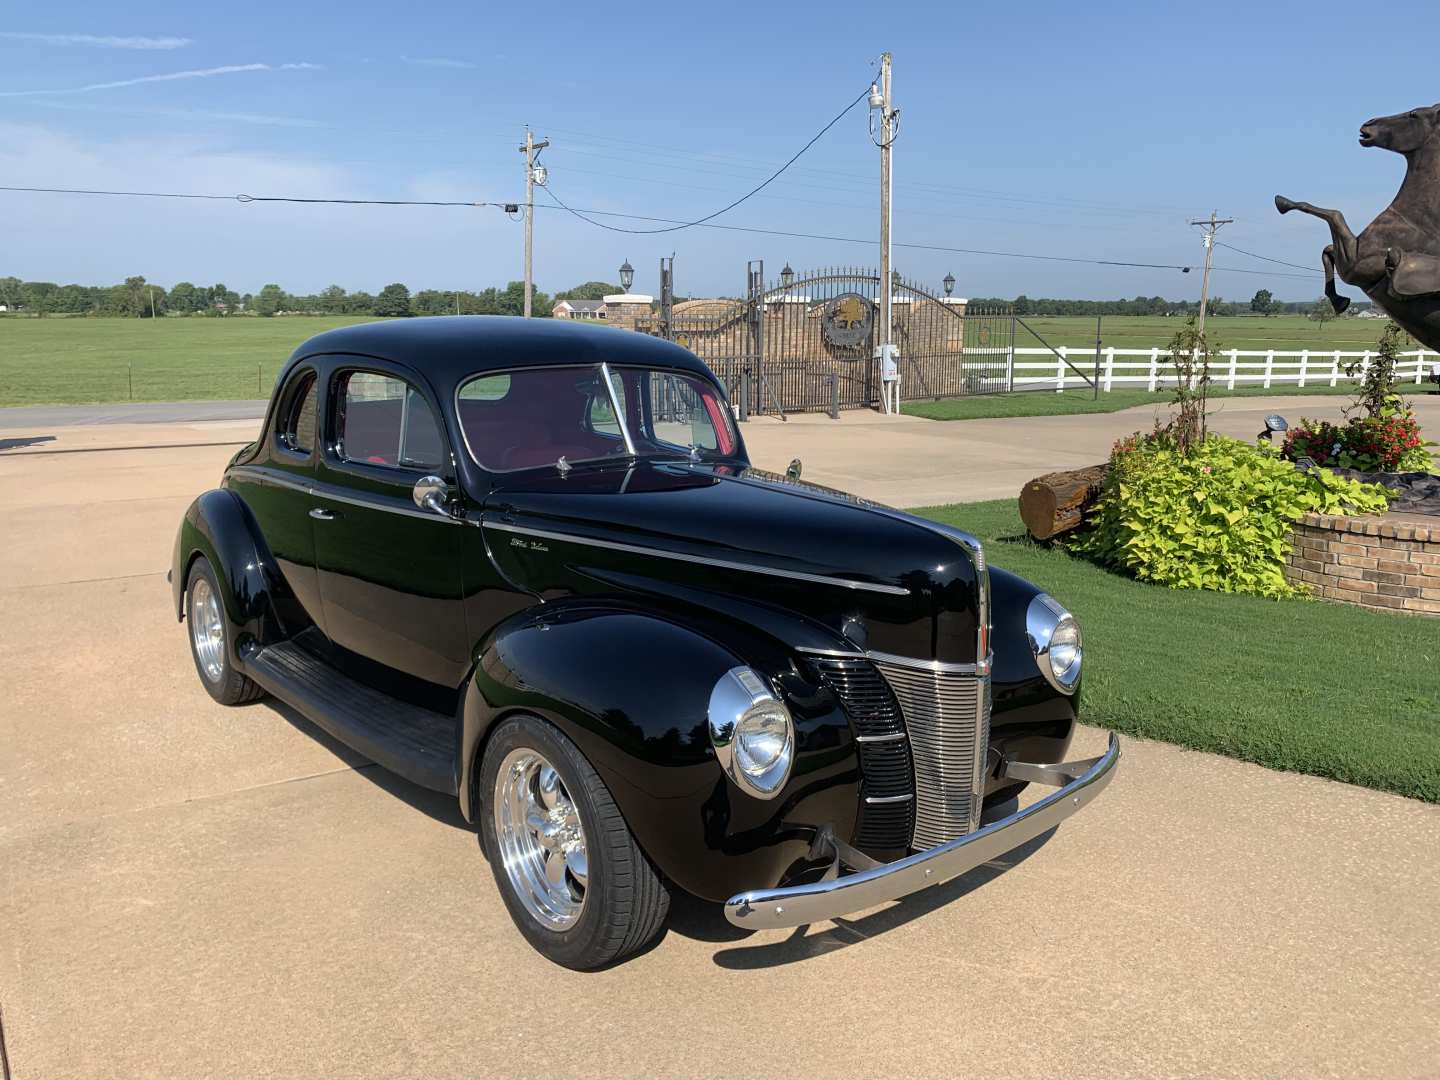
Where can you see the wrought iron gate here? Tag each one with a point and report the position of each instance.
(808, 342)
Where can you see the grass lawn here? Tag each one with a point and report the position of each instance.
(83, 360)
(1288, 332)
(1049, 403)
(77, 361)
(1297, 685)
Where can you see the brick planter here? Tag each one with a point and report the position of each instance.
(1386, 562)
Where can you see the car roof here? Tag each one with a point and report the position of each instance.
(449, 349)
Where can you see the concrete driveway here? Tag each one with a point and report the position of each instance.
(187, 890)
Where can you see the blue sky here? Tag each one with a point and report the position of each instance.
(1090, 130)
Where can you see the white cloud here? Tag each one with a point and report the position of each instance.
(198, 73)
(99, 41)
(184, 114)
(437, 62)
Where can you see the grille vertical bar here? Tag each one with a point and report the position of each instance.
(947, 719)
(882, 749)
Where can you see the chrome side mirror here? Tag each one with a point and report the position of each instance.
(432, 493)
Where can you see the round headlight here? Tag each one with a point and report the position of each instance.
(1055, 640)
(751, 730)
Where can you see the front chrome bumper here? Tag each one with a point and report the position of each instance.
(1079, 782)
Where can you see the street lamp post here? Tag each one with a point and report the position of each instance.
(627, 275)
(949, 284)
(787, 277)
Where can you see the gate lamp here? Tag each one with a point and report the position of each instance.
(627, 275)
(949, 284)
(787, 276)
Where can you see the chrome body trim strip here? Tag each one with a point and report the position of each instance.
(876, 800)
(880, 738)
(800, 905)
(327, 491)
(938, 666)
(702, 560)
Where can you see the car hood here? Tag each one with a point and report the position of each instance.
(880, 578)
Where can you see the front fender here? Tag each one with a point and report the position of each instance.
(1029, 720)
(631, 689)
(218, 526)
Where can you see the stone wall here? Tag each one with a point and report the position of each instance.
(1378, 562)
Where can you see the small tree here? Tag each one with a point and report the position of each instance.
(1376, 395)
(1191, 352)
(1321, 312)
(394, 300)
(1262, 302)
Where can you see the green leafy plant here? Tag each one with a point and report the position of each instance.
(1382, 434)
(1218, 517)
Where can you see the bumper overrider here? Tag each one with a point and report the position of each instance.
(873, 883)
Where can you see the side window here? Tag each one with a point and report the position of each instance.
(678, 413)
(297, 427)
(382, 420)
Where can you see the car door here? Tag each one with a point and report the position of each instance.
(390, 571)
(275, 487)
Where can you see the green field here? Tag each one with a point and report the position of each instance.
(74, 361)
(1287, 332)
(1297, 685)
(78, 360)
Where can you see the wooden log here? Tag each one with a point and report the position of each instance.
(1058, 502)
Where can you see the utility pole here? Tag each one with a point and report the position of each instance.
(887, 137)
(1211, 225)
(530, 149)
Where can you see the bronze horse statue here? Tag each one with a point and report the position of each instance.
(1396, 258)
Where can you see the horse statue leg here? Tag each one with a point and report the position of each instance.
(1342, 252)
(1338, 302)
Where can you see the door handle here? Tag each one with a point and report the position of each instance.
(319, 513)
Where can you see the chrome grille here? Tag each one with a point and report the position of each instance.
(947, 719)
(886, 801)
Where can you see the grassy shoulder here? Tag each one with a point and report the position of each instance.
(1049, 403)
(1296, 685)
(85, 361)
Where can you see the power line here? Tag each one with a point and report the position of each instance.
(242, 198)
(753, 191)
(1266, 258)
(758, 230)
(934, 247)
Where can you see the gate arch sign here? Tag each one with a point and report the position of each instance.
(847, 319)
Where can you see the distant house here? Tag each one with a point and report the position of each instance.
(579, 309)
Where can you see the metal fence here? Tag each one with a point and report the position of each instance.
(808, 342)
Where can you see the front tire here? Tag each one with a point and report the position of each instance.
(574, 880)
(209, 639)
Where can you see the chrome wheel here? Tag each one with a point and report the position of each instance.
(207, 630)
(540, 839)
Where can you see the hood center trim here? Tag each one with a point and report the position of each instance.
(702, 560)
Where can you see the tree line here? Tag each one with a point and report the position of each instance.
(138, 298)
(1262, 303)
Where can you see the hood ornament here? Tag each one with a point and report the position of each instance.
(792, 471)
(562, 466)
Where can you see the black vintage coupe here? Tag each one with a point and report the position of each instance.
(529, 564)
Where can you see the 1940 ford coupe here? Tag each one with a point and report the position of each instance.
(529, 564)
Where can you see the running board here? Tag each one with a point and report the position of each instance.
(415, 743)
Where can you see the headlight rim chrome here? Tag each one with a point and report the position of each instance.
(738, 695)
(1043, 618)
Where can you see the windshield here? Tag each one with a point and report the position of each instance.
(537, 416)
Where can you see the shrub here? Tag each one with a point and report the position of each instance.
(1388, 443)
(1217, 518)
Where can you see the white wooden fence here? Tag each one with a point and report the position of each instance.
(1041, 369)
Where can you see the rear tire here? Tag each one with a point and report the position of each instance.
(572, 876)
(210, 639)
